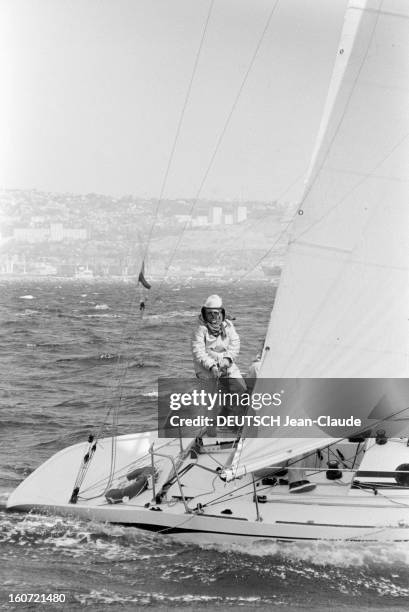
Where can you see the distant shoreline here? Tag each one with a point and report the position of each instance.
(118, 279)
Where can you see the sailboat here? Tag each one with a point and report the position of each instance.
(341, 312)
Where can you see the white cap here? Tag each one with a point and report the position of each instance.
(213, 301)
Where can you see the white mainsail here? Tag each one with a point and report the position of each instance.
(342, 308)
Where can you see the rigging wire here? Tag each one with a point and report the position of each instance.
(311, 453)
(267, 253)
(114, 403)
(114, 409)
(179, 126)
(257, 222)
(221, 137)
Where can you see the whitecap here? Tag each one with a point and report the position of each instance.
(28, 312)
(26, 297)
(106, 316)
(174, 314)
(108, 597)
(324, 554)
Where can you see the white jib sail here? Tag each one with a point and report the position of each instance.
(342, 308)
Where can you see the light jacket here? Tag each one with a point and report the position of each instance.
(209, 350)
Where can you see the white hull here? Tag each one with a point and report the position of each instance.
(333, 511)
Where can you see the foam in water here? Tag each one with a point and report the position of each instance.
(103, 316)
(107, 597)
(4, 495)
(65, 532)
(346, 570)
(338, 554)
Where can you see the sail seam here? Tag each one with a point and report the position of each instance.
(379, 12)
(352, 345)
(322, 247)
(365, 175)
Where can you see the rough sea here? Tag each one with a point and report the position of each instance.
(70, 350)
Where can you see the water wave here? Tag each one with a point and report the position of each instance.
(282, 567)
(321, 554)
(142, 598)
(60, 361)
(103, 316)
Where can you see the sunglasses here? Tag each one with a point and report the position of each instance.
(213, 313)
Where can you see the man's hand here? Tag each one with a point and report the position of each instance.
(224, 366)
(214, 371)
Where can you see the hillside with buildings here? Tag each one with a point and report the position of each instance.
(49, 234)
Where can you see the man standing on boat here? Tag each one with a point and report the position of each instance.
(215, 348)
(215, 343)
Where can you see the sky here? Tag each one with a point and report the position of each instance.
(93, 92)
